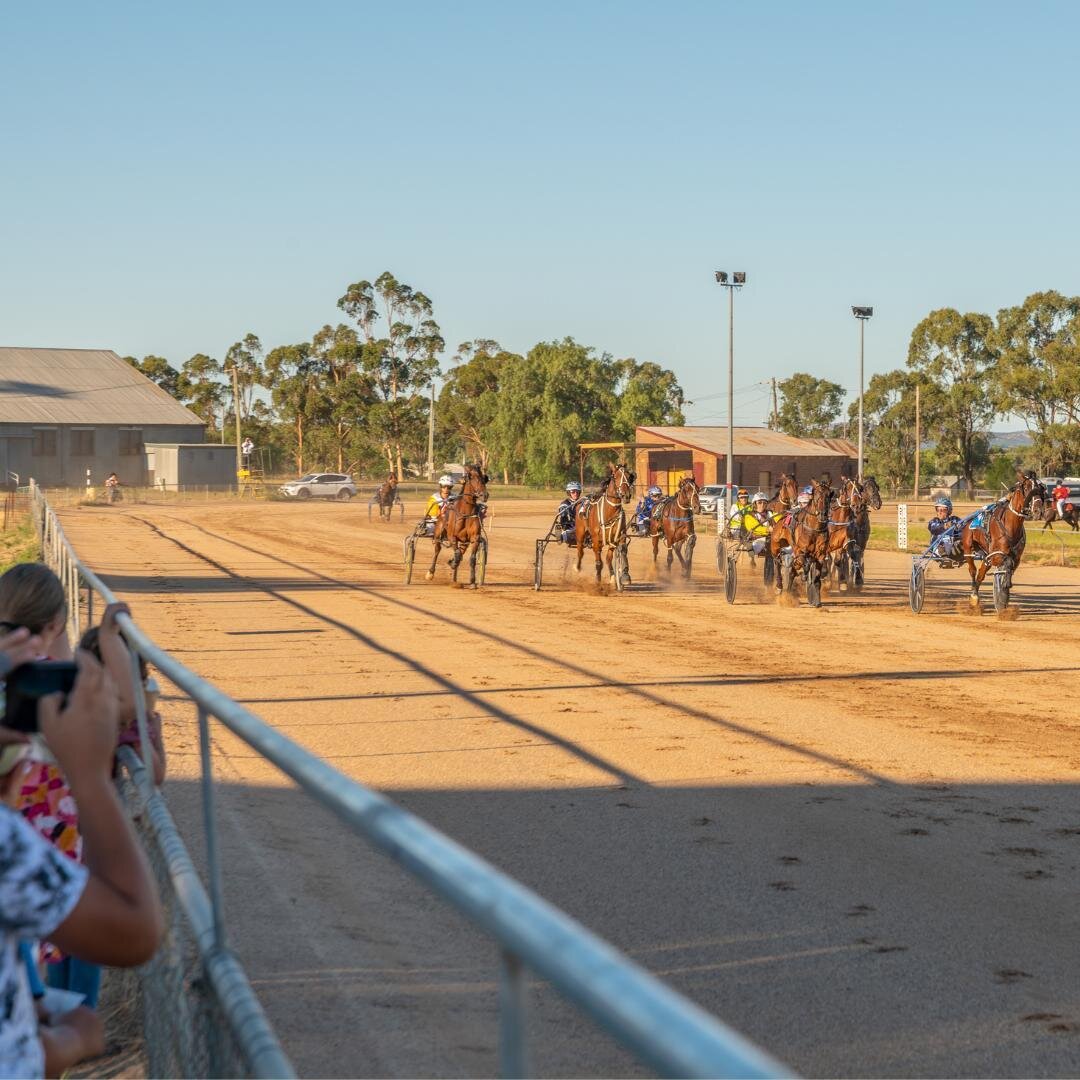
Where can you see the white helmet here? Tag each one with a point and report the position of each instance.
(654, 491)
(760, 496)
(446, 480)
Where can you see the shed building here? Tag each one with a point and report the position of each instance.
(191, 465)
(66, 411)
(761, 455)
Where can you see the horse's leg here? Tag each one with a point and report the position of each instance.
(455, 561)
(655, 547)
(598, 552)
(472, 562)
(691, 543)
(434, 559)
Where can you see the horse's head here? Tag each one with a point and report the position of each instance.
(621, 482)
(871, 492)
(392, 480)
(1032, 491)
(788, 491)
(688, 494)
(475, 483)
(819, 500)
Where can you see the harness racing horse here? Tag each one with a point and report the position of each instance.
(780, 536)
(459, 524)
(386, 495)
(674, 521)
(1071, 517)
(996, 537)
(871, 500)
(810, 539)
(602, 519)
(846, 504)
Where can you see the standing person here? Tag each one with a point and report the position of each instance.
(107, 911)
(567, 511)
(112, 487)
(1060, 494)
(247, 448)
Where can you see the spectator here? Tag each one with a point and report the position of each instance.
(31, 596)
(107, 911)
(106, 644)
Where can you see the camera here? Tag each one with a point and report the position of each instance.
(29, 682)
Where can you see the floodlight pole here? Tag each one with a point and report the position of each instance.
(862, 314)
(731, 282)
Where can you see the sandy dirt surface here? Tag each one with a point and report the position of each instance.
(853, 833)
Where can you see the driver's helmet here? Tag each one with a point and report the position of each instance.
(446, 480)
(943, 500)
(655, 492)
(573, 487)
(760, 497)
(743, 495)
(806, 495)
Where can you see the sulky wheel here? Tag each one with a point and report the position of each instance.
(1001, 590)
(538, 566)
(481, 562)
(769, 571)
(731, 578)
(917, 588)
(410, 556)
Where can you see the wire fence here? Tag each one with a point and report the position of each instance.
(201, 1017)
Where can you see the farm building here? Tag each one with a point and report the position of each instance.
(64, 411)
(761, 455)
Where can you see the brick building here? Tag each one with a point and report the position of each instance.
(761, 455)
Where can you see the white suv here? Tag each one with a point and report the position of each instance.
(321, 486)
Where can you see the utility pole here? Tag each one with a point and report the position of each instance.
(431, 434)
(775, 410)
(236, 414)
(918, 441)
(862, 314)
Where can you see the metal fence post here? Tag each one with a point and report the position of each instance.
(210, 828)
(513, 1057)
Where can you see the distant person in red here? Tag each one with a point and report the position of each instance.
(1061, 493)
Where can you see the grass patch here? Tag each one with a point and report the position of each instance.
(18, 545)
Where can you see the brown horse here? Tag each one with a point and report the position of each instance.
(674, 522)
(845, 505)
(780, 537)
(1050, 515)
(871, 501)
(996, 537)
(386, 495)
(810, 539)
(602, 519)
(460, 523)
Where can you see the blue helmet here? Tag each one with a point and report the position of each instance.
(808, 490)
(944, 500)
(655, 491)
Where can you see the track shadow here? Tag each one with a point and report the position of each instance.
(852, 930)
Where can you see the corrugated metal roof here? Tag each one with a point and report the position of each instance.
(82, 386)
(840, 446)
(749, 441)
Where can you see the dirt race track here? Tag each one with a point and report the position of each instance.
(852, 833)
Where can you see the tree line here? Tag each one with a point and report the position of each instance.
(970, 369)
(357, 395)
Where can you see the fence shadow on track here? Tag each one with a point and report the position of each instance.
(871, 903)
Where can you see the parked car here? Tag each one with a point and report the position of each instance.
(321, 486)
(709, 496)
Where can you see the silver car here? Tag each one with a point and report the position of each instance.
(321, 486)
(709, 495)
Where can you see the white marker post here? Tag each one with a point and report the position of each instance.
(901, 526)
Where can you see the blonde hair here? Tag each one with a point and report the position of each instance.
(31, 595)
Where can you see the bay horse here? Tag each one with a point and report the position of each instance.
(996, 537)
(781, 504)
(845, 505)
(460, 525)
(386, 495)
(871, 501)
(674, 522)
(810, 537)
(602, 519)
(1050, 515)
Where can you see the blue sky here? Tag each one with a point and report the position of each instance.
(174, 176)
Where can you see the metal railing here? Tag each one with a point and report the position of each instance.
(661, 1027)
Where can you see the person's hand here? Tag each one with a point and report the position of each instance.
(109, 624)
(83, 734)
(17, 648)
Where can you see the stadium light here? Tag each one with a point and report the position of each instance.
(738, 280)
(862, 314)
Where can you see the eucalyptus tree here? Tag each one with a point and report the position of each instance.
(296, 392)
(246, 357)
(955, 354)
(1037, 375)
(203, 390)
(400, 363)
(808, 406)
